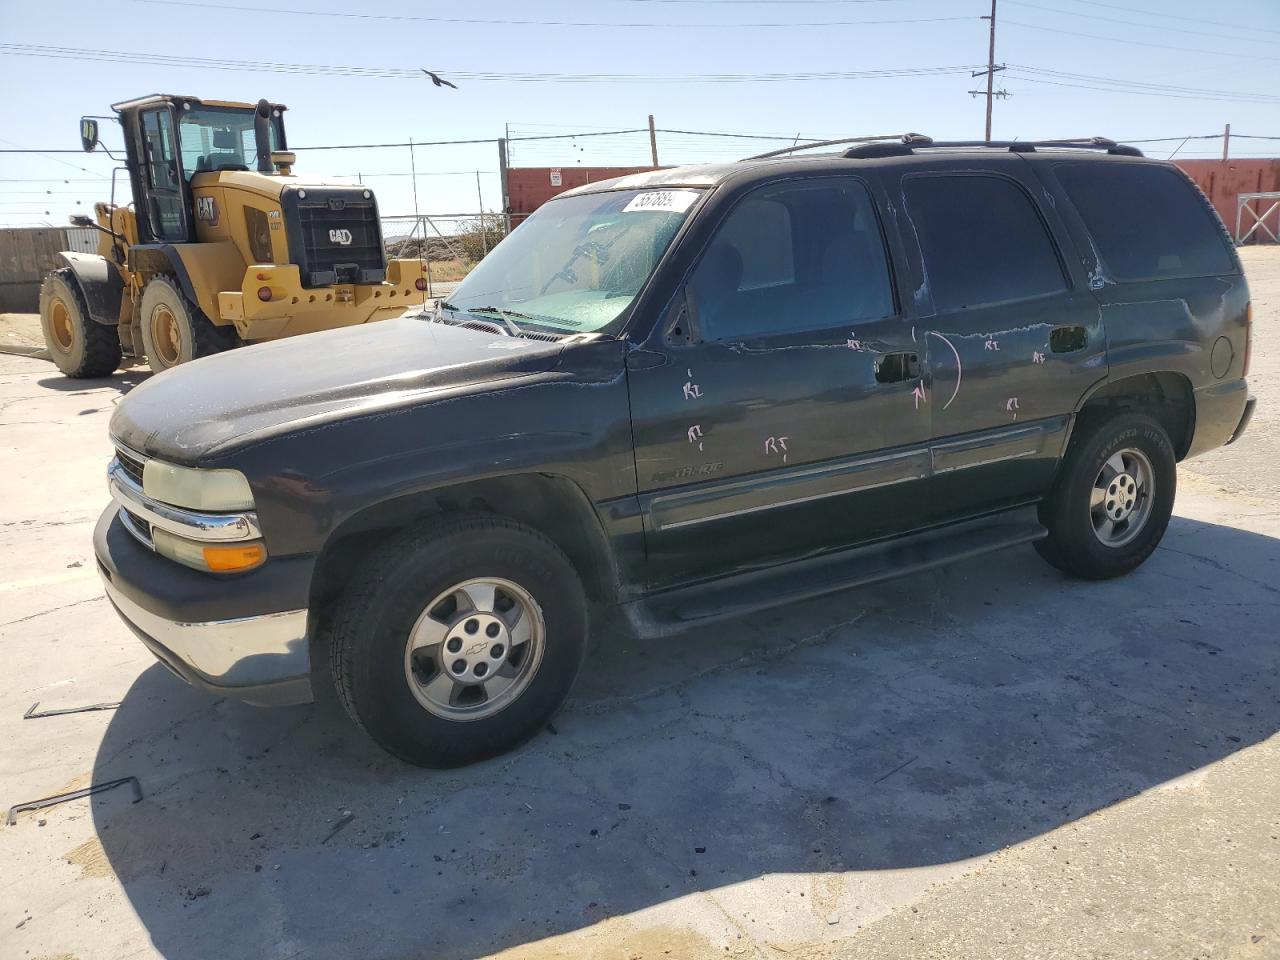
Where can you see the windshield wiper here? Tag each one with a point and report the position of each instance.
(513, 328)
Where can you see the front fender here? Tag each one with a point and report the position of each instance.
(100, 282)
(575, 425)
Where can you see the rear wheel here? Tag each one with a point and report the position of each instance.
(175, 330)
(1113, 498)
(459, 641)
(79, 345)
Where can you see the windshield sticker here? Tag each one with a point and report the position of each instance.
(661, 201)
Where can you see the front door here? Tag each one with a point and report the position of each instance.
(165, 204)
(1015, 339)
(789, 417)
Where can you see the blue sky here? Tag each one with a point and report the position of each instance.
(1181, 52)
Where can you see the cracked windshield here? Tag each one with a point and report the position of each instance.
(578, 262)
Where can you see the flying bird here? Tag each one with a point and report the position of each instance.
(437, 80)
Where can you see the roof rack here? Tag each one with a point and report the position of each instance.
(896, 138)
(1013, 146)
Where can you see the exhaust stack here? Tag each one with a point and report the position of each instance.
(262, 136)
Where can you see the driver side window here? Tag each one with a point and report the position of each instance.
(802, 256)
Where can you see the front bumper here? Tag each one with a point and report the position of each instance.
(243, 637)
(294, 309)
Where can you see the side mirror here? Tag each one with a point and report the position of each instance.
(80, 220)
(88, 134)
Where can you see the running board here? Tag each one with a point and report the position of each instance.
(676, 610)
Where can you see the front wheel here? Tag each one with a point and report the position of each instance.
(459, 640)
(1113, 498)
(175, 330)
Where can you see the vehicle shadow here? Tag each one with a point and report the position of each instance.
(122, 381)
(917, 723)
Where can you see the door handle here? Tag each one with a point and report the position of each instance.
(1068, 339)
(896, 367)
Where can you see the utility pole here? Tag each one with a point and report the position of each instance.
(991, 92)
(653, 141)
(484, 223)
(1226, 141)
(504, 187)
(991, 66)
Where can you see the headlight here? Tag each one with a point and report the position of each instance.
(209, 557)
(210, 490)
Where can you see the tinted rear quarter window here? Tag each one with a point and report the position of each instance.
(982, 240)
(1148, 222)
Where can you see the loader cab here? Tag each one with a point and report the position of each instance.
(170, 139)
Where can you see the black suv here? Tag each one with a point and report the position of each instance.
(689, 393)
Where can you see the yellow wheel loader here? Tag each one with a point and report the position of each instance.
(221, 246)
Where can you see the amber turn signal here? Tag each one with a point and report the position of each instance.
(234, 558)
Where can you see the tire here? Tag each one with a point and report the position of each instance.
(395, 603)
(79, 345)
(175, 330)
(1085, 537)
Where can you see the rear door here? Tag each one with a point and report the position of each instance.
(789, 418)
(1014, 333)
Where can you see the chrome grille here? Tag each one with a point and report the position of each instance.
(131, 464)
(140, 529)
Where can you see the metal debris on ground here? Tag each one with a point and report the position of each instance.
(32, 715)
(74, 795)
(347, 817)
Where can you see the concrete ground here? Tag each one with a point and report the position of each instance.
(985, 761)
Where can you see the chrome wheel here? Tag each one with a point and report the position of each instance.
(1122, 495)
(474, 649)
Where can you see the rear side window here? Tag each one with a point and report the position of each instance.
(982, 240)
(1147, 222)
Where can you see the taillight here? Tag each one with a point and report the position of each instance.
(264, 294)
(420, 283)
(1248, 337)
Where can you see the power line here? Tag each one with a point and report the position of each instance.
(1205, 136)
(1138, 83)
(1164, 15)
(116, 56)
(1142, 43)
(401, 18)
(1137, 23)
(19, 148)
(1142, 93)
(1137, 87)
(775, 2)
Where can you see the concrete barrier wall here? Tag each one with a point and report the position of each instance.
(26, 255)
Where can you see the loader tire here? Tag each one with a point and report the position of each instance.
(79, 345)
(175, 330)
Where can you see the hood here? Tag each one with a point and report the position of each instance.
(251, 393)
(269, 185)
